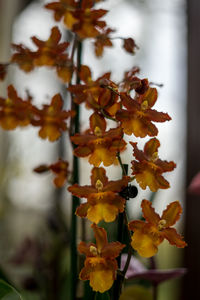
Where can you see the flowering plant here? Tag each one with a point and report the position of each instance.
(128, 106)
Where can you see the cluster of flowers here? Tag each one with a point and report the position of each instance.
(15, 112)
(129, 104)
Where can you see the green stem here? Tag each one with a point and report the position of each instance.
(75, 200)
(111, 89)
(120, 232)
(124, 171)
(122, 225)
(107, 116)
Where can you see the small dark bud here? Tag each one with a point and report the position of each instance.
(41, 169)
(130, 191)
(143, 87)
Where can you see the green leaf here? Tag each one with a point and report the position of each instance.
(7, 292)
(104, 296)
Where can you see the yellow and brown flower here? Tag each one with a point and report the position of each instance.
(149, 234)
(138, 116)
(14, 111)
(103, 200)
(100, 266)
(93, 94)
(97, 143)
(60, 168)
(82, 19)
(148, 167)
(103, 40)
(52, 119)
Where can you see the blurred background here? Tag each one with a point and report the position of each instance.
(34, 216)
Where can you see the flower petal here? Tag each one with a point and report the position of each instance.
(151, 147)
(117, 186)
(94, 213)
(85, 273)
(60, 180)
(143, 244)
(100, 236)
(147, 177)
(129, 102)
(102, 154)
(82, 210)
(150, 96)
(85, 74)
(12, 93)
(57, 102)
(84, 248)
(165, 165)
(101, 280)
(98, 174)
(140, 127)
(82, 151)
(117, 145)
(172, 213)
(81, 191)
(139, 154)
(149, 212)
(102, 211)
(82, 139)
(157, 116)
(50, 132)
(97, 120)
(104, 98)
(136, 225)
(174, 238)
(112, 250)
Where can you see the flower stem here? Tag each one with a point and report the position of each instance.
(75, 200)
(122, 226)
(123, 166)
(122, 221)
(107, 116)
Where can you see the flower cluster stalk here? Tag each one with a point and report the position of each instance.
(75, 200)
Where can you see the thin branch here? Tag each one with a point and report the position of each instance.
(107, 116)
(121, 164)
